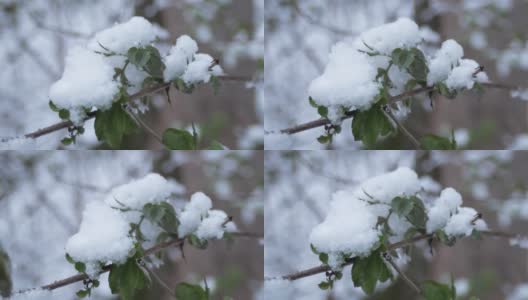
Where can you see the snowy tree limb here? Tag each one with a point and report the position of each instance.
(397, 245)
(322, 122)
(142, 93)
(155, 249)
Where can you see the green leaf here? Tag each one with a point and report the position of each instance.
(113, 124)
(127, 278)
(323, 257)
(402, 206)
(82, 293)
(64, 114)
(436, 291)
(417, 216)
(69, 259)
(323, 111)
(181, 86)
(197, 242)
(323, 285)
(178, 139)
(445, 91)
(6, 284)
(163, 215)
(186, 291)
(312, 102)
(368, 125)
(67, 141)
(215, 82)
(323, 139)
(53, 107)
(433, 142)
(80, 267)
(314, 250)
(367, 271)
(413, 61)
(148, 59)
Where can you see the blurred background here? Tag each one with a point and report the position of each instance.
(43, 194)
(35, 37)
(300, 34)
(299, 187)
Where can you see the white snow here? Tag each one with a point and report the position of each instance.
(444, 60)
(191, 216)
(152, 188)
(179, 57)
(442, 209)
(463, 76)
(520, 292)
(521, 242)
(87, 81)
(349, 227)
(520, 93)
(103, 236)
(348, 80)
(37, 294)
(135, 32)
(403, 33)
(460, 224)
(213, 225)
(383, 188)
(201, 69)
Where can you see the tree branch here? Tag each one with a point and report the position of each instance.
(142, 93)
(80, 277)
(401, 244)
(321, 122)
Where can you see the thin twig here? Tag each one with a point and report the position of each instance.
(144, 125)
(319, 23)
(160, 281)
(388, 259)
(387, 111)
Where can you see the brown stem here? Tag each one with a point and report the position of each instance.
(322, 122)
(413, 285)
(387, 111)
(400, 244)
(142, 93)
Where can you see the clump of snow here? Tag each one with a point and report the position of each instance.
(440, 66)
(403, 33)
(252, 137)
(442, 209)
(464, 222)
(214, 225)
(201, 69)
(179, 57)
(348, 80)
(87, 81)
(514, 208)
(349, 227)
(135, 32)
(103, 236)
(197, 217)
(520, 142)
(383, 188)
(520, 292)
(152, 188)
(465, 75)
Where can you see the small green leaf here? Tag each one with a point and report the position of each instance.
(445, 91)
(186, 291)
(417, 216)
(64, 114)
(368, 125)
(323, 257)
(197, 242)
(113, 124)
(178, 139)
(367, 271)
(323, 139)
(402, 206)
(314, 251)
(53, 107)
(323, 111)
(127, 278)
(82, 293)
(69, 259)
(312, 102)
(436, 291)
(81, 267)
(67, 141)
(323, 285)
(433, 142)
